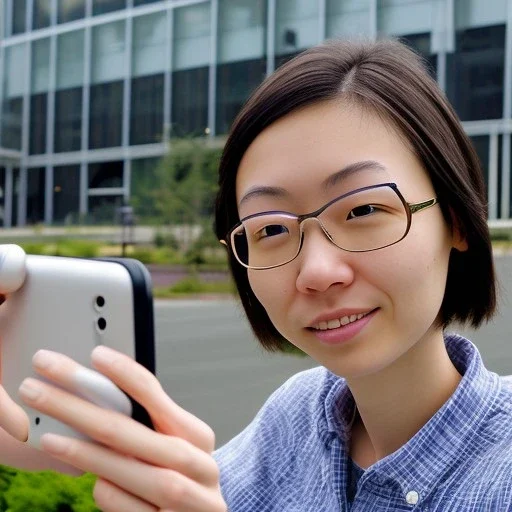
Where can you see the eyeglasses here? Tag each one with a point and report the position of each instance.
(362, 220)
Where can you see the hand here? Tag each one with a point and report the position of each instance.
(140, 470)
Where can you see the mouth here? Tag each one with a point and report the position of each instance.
(336, 323)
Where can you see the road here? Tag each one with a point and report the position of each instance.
(210, 363)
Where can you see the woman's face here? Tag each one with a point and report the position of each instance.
(400, 286)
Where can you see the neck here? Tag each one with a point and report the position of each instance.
(395, 403)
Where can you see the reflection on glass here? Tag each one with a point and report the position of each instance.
(70, 10)
(66, 194)
(16, 190)
(41, 14)
(234, 84)
(70, 59)
(19, 9)
(241, 56)
(106, 175)
(189, 110)
(143, 2)
(68, 120)
(103, 209)
(189, 102)
(347, 18)
(14, 87)
(106, 115)
(37, 126)
(104, 6)
(108, 52)
(146, 122)
(475, 73)
(421, 44)
(2, 196)
(35, 195)
(296, 28)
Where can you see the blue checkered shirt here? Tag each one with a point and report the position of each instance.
(294, 454)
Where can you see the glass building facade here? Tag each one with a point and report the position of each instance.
(92, 90)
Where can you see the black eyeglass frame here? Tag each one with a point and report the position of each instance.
(410, 209)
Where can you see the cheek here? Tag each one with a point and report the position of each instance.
(274, 289)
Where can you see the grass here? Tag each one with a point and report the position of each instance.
(192, 285)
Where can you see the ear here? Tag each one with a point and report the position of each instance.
(459, 241)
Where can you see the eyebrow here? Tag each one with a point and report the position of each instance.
(329, 182)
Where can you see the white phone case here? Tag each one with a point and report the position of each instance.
(71, 305)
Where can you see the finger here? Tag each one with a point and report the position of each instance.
(161, 487)
(110, 498)
(167, 416)
(119, 432)
(13, 419)
(82, 381)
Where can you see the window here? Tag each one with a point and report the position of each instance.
(66, 194)
(103, 209)
(106, 94)
(39, 96)
(104, 6)
(296, 28)
(37, 127)
(475, 70)
(19, 10)
(242, 62)
(106, 175)
(68, 96)
(106, 115)
(41, 14)
(146, 123)
(144, 2)
(149, 64)
(68, 120)
(70, 10)
(35, 195)
(348, 18)
(190, 77)
(2, 196)
(15, 85)
(412, 22)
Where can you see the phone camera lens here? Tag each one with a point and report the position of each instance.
(38, 420)
(100, 301)
(102, 324)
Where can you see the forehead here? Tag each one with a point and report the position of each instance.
(300, 151)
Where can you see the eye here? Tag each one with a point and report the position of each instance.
(272, 230)
(361, 211)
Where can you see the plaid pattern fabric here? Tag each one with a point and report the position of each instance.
(293, 456)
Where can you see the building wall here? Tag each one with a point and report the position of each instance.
(92, 89)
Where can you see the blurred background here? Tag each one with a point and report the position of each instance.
(95, 92)
(112, 120)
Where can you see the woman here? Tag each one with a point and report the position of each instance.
(353, 208)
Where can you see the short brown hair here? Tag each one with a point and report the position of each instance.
(391, 80)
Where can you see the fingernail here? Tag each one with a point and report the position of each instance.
(103, 355)
(43, 359)
(55, 444)
(30, 389)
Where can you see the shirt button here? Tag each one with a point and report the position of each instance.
(412, 497)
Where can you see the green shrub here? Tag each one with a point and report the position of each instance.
(36, 248)
(47, 491)
(77, 248)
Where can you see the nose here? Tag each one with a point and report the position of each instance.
(321, 263)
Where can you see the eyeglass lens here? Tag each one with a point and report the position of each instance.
(362, 221)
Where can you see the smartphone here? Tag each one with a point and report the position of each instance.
(71, 305)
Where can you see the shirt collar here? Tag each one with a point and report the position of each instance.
(440, 444)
